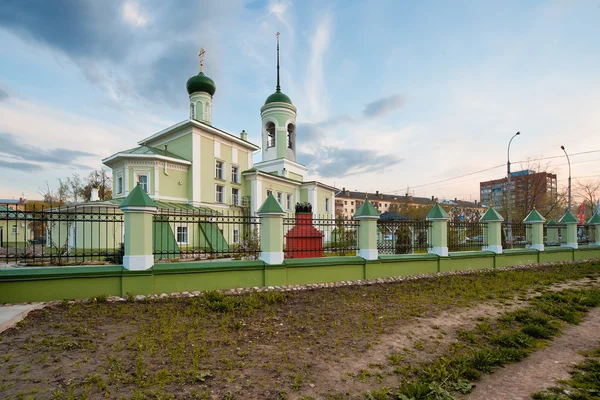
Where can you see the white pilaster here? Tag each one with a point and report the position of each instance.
(196, 177)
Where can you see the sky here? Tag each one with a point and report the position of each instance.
(394, 96)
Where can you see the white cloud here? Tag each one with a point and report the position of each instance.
(315, 87)
(279, 9)
(132, 13)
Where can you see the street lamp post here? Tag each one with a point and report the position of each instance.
(568, 161)
(508, 217)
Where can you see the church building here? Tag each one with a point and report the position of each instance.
(195, 163)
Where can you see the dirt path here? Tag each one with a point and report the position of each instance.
(433, 336)
(543, 368)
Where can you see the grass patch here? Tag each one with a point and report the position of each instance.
(245, 346)
(583, 384)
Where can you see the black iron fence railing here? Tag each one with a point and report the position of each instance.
(586, 234)
(515, 235)
(555, 235)
(466, 236)
(193, 234)
(402, 236)
(42, 234)
(306, 236)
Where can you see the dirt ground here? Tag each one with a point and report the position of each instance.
(543, 368)
(321, 344)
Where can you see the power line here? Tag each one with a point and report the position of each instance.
(498, 166)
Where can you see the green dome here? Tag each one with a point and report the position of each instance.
(278, 97)
(201, 83)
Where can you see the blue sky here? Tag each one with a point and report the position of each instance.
(390, 94)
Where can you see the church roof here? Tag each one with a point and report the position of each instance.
(201, 83)
(278, 97)
(148, 152)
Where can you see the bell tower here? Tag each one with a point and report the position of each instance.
(278, 117)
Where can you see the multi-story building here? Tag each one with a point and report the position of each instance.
(348, 201)
(528, 190)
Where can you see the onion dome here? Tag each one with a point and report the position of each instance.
(278, 97)
(201, 83)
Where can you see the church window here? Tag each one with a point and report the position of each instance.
(15, 230)
(235, 196)
(236, 235)
(143, 182)
(119, 184)
(182, 234)
(219, 193)
(235, 174)
(192, 111)
(290, 136)
(270, 134)
(327, 204)
(280, 198)
(289, 201)
(219, 169)
(269, 192)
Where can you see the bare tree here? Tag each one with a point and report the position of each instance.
(101, 180)
(589, 191)
(75, 187)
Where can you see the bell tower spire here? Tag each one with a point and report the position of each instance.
(278, 88)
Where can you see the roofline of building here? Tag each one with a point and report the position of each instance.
(151, 156)
(198, 124)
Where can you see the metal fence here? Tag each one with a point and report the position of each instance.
(555, 235)
(402, 236)
(466, 236)
(586, 234)
(60, 235)
(305, 236)
(515, 235)
(195, 234)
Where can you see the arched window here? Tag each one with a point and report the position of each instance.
(270, 134)
(291, 130)
(192, 111)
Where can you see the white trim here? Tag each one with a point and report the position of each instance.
(274, 257)
(539, 246)
(368, 254)
(196, 170)
(440, 251)
(139, 209)
(571, 245)
(156, 181)
(494, 248)
(126, 180)
(182, 199)
(138, 263)
(367, 217)
(151, 156)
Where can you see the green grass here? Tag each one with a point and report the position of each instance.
(584, 383)
(243, 346)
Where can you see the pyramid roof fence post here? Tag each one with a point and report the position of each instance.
(437, 237)
(492, 231)
(571, 222)
(367, 215)
(138, 209)
(271, 231)
(535, 229)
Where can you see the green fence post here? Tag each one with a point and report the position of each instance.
(367, 216)
(492, 231)
(438, 237)
(535, 222)
(139, 210)
(570, 221)
(595, 221)
(271, 231)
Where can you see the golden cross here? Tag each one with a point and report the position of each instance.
(201, 56)
(277, 34)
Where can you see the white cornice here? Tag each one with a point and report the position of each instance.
(205, 127)
(146, 156)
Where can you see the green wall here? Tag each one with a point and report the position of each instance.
(57, 283)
